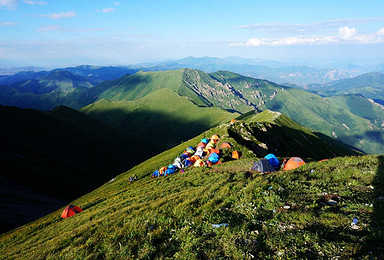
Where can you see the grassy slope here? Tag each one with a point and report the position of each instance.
(162, 115)
(370, 85)
(172, 217)
(139, 85)
(327, 117)
(360, 106)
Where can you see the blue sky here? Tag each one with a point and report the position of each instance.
(51, 33)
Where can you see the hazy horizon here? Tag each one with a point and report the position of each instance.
(69, 33)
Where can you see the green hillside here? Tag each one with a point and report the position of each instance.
(139, 85)
(361, 106)
(280, 215)
(370, 85)
(328, 118)
(162, 115)
(62, 154)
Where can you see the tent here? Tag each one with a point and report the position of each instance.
(225, 145)
(262, 165)
(273, 160)
(214, 158)
(293, 163)
(70, 211)
(199, 163)
(235, 155)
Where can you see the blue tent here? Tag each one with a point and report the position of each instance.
(214, 158)
(273, 160)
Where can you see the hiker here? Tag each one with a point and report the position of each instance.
(132, 178)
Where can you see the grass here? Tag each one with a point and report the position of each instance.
(280, 215)
(172, 217)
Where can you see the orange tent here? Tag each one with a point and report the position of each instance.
(70, 211)
(225, 145)
(235, 155)
(293, 163)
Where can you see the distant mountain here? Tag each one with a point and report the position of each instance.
(6, 70)
(370, 85)
(280, 73)
(94, 74)
(48, 91)
(98, 74)
(21, 76)
(50, 158)
(272, 71)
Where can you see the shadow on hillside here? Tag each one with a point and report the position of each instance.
(370, 142)
(286, 142)
(339, 145)
(162, 129)
(374, 242)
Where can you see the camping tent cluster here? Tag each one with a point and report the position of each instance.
(270, 163)
(205, 154)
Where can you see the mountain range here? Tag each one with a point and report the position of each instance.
(225, 90)
(279, 72)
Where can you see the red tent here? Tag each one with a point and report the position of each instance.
(70, 211)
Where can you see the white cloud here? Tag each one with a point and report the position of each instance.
(255, 42)
(380, 32)
(7, 23)
(57, 28)
(60, 15)
(117, 3)
(8, 4)
(36, 2)
(345, 35)
(106, 10)
(329, 24)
